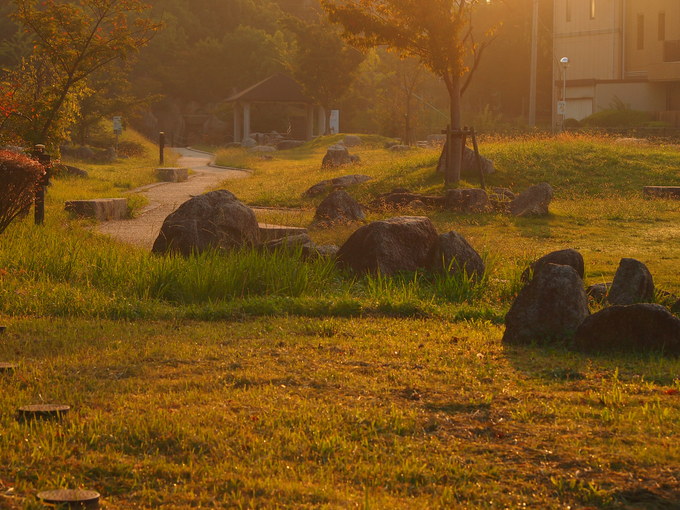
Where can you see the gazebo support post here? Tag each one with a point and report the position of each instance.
(238, 120)
(321, 120)
(246, 120)
(310, 122)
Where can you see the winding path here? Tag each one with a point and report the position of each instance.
(165, 197)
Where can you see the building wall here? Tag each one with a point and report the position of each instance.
(592, 44)
(617, 51)
(649, 23)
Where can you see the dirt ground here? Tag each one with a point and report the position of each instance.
(165, 197)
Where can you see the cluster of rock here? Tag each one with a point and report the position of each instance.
(553, 307)
(534, 201)
(219, 221)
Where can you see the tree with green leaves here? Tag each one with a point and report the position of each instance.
(437, 32)
(321, 61)
(72, 41)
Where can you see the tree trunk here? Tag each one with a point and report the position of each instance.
(452, 174)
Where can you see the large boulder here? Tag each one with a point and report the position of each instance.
(632, 283)
(455, 254)
(566, 257)
(472, 200)
(338, 155)
(637, 327)
(336, 183)
(214, 220)
(404, 243)
(533, 201)
(339, 206)
(549, 309)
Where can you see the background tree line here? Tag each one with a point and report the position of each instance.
(209, 49)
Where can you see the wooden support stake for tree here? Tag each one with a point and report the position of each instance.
(478, 158)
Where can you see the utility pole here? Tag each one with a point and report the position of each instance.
(534, 65)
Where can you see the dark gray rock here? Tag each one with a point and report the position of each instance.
(532, 202)
(337, 155)
(638, 327)
(455, 254)
(472, 200)
(598, 292)
(566, 257)
(327, 250)
(468, 165)
(352, 140)
(632, 283)
(549, 309)
(338, 207)
(337, 183)
(214, 220)
(294, 243)
(404, 243)
(404, 198)
(284, 145)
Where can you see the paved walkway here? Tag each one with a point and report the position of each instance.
(165, 197)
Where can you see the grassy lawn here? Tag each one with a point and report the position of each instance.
(256, 381)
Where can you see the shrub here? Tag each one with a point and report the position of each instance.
(19, 177)
(131, 149)
(617, 118)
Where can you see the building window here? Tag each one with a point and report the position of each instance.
(568, 7)
(641, 32)
(592, 9)
(662, 26)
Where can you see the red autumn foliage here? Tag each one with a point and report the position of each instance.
(19, 177)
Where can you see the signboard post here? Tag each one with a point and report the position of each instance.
(117, 128)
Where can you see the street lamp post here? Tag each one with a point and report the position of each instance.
(564, 61)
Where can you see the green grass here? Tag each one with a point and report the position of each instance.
(259, 381)
(332, 413)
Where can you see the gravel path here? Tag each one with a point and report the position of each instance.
(165, 197)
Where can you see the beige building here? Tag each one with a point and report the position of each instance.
(618, 51)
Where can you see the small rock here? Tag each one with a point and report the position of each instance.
(262, 149)
(632, 283)
(284, 145)
(336, 183)
(567, 257)
(470, 200)
(339, 206)
(598, 292)
(533, 202)
(352, 140)
(336, 155)
(550, 308)
(637, 327)
(249, 142)
(468, 165)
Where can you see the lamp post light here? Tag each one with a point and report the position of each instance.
(564, 62)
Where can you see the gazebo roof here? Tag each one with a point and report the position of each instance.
(278, 88)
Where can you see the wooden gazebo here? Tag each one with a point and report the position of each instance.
(278, 88)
